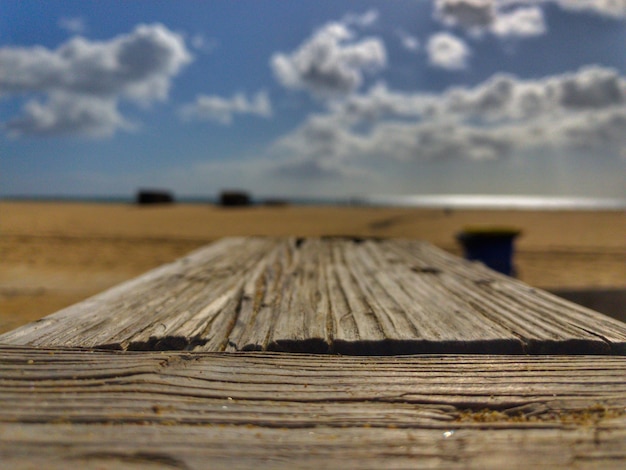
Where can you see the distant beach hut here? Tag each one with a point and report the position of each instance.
(154, 196)
(235, 199)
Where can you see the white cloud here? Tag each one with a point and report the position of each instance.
(611, 8)
(522, 22)
(409, 42)
(469, 14)
(506, 97)
(447, 51)
(362, 20)
(218, 109)
(500, 117)
(68, 114)
(325, 141)
(516, 17)
(502, 97)
(592, 87)
(88, 78)
(596, 131)
(479, 16)
(138, 65)
(200, 43)
(75, 25)
(329, 63)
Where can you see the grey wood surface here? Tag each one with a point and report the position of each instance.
(334, 295)
(62, 408)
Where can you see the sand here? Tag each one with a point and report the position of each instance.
(56, 254)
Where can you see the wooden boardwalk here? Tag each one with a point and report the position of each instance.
(297, 353)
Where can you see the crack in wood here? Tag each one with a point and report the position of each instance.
(141, 458)
(167, 343)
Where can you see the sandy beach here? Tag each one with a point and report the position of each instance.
(56, 254)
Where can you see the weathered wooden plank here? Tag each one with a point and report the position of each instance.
(328, 295)
(147, 446)
(193, 300)
(199, 410)
(540, 318)
(436, 313)
(278, 389)
(301, 316)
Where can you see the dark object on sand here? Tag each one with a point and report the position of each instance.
(151, 196)
(234, 199)
(491, 246)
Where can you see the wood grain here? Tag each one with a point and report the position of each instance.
(63, 408)
(328, 295)
(150, 446)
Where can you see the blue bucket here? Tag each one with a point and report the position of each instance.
(492, 247)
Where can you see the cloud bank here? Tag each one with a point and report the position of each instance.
(83, 81)
(583, 110)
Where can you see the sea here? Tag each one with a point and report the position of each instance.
(505, 202)
(425, 201)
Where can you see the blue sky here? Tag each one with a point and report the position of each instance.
(313, 98)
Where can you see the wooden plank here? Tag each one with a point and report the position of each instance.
(148, 446)
(541, 319)
(194, 299)
(198, 410)
(279, 389)
(334, 295)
